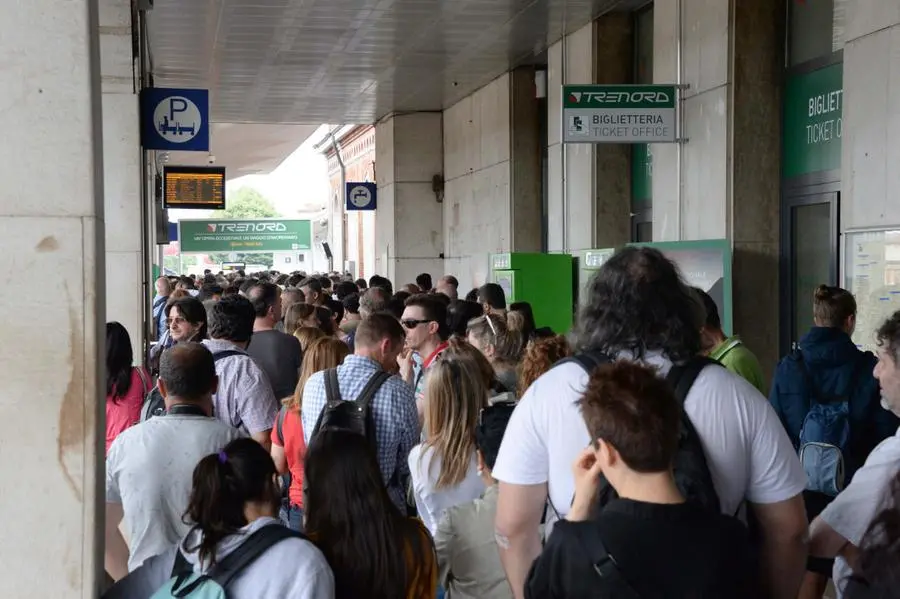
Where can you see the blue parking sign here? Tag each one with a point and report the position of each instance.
(175, 119)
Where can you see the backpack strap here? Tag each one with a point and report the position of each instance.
(332, 387)
(371, 388)
(682, 377)
(227, 353)
(279, 424)
(588, 360)
(603, 563)
(145, 384)
(254, 546)
(332, 394)
(181, 565)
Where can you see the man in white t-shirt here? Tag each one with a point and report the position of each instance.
(150, 466)
(839, 529)
(641, 309)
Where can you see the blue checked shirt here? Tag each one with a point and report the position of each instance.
(394, 412)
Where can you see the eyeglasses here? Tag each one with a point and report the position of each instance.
(412, 323)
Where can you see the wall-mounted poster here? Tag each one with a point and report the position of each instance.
(872, 275)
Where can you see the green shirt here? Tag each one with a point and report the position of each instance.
(735, 356)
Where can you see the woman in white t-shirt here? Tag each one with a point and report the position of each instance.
(444, 467)
(234, 506)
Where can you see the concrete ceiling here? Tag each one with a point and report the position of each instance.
(349, 61)
(245, 149)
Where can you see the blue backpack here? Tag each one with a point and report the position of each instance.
(825, 435)
(186, 583)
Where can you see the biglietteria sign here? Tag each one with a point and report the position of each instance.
(618, 113)
(276, 235)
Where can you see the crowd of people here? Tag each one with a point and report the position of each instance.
(296, 435)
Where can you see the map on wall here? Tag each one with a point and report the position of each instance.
(872, 275)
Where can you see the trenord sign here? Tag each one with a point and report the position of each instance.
(618, 113)
(260, 235)
(621, 99)
(247, 227)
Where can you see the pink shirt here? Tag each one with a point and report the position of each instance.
(127, 411)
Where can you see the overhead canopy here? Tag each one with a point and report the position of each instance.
(246, 149)
(350, 61)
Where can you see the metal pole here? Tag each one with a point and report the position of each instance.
(343, 195)
(564, 159)
(679, 117)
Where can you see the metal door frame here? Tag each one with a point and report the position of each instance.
(796, 197)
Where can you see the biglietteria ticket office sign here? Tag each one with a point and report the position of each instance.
(618, 114)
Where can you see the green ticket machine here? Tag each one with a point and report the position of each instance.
(542, 280)
(588, 262)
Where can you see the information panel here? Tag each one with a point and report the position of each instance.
(705, 264)
(246, 236)
(201, 187)
(872, 275)
(618, 113)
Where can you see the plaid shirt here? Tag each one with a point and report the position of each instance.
(245, 399)
(394, 412)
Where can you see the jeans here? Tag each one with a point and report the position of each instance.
(295, 518)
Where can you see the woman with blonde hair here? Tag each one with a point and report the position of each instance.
(501, 346)
(444, 468)
(288, 447)
(300, 315)
(306, 336)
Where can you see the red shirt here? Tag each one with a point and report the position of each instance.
(125, 411)
(294, 452)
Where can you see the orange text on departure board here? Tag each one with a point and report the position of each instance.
(194, 188)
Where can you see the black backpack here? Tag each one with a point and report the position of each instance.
(355, 416)
(691, 470)
(155, 405)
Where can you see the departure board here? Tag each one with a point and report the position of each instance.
(200, 187)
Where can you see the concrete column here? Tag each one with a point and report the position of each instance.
(727, 182)
(51, 234)
(525, 189)
(869, 176)
(758, 62)
(613, 63)
(126, 290)
(477, 176)
(409, 219)
(571, 224)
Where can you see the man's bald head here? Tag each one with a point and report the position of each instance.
(264, 298)
(187, 372)
(374, 300)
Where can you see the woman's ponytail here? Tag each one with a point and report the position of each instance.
(223, 483)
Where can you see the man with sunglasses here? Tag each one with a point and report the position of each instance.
(425, 321)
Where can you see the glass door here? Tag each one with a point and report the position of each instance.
(809, 258)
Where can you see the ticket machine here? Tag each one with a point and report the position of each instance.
(542, 280)
(588, 262)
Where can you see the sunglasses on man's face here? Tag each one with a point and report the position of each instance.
(412, 323)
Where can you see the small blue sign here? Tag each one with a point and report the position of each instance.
(173, 232)
(175, 119)
(361, 196)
